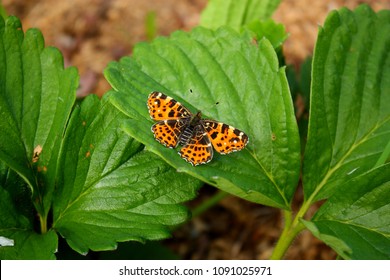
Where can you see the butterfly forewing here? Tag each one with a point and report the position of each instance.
(162, 107)
(199, 149)
(225, 138)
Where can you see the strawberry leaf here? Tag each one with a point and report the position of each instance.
(36, 97)
(199, 69)
(349, 124)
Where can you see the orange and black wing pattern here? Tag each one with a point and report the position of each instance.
(225, 138)
(198, 150)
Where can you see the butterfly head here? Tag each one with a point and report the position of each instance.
(196, 118)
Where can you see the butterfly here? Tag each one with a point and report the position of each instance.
(176, 125)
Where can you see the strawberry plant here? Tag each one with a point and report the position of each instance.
(92, 172)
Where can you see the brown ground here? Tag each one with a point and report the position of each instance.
(91, 33)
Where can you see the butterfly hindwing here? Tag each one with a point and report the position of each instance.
(225, 138)
(168, 132)
(199, 149)
(162, 107)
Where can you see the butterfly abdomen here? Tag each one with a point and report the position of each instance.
(186, 135)
(192, 127)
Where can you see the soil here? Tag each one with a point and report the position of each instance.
(91, 33)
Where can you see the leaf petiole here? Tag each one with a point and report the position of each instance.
(43, 223)
(291, 229)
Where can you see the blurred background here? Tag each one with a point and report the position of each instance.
(91, 33)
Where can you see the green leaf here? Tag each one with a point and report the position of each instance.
(18, 194)
(36, 97)
(349, 123)
(385, 156)
(235, 13)
(338, 245)
(274, 32)
(109, 188)
(305, 81)
(226, 67)
(358, 216)
(28, 245)
(17, 237)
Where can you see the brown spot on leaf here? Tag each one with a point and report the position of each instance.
(42, 169)
(36, 153)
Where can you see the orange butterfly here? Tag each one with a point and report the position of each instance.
(177, 125)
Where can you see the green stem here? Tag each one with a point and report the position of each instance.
(289, 233)
(209, 203)
(291, 229)
(43, 222)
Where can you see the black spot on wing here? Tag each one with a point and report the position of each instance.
(225, 127)
(214, 135)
